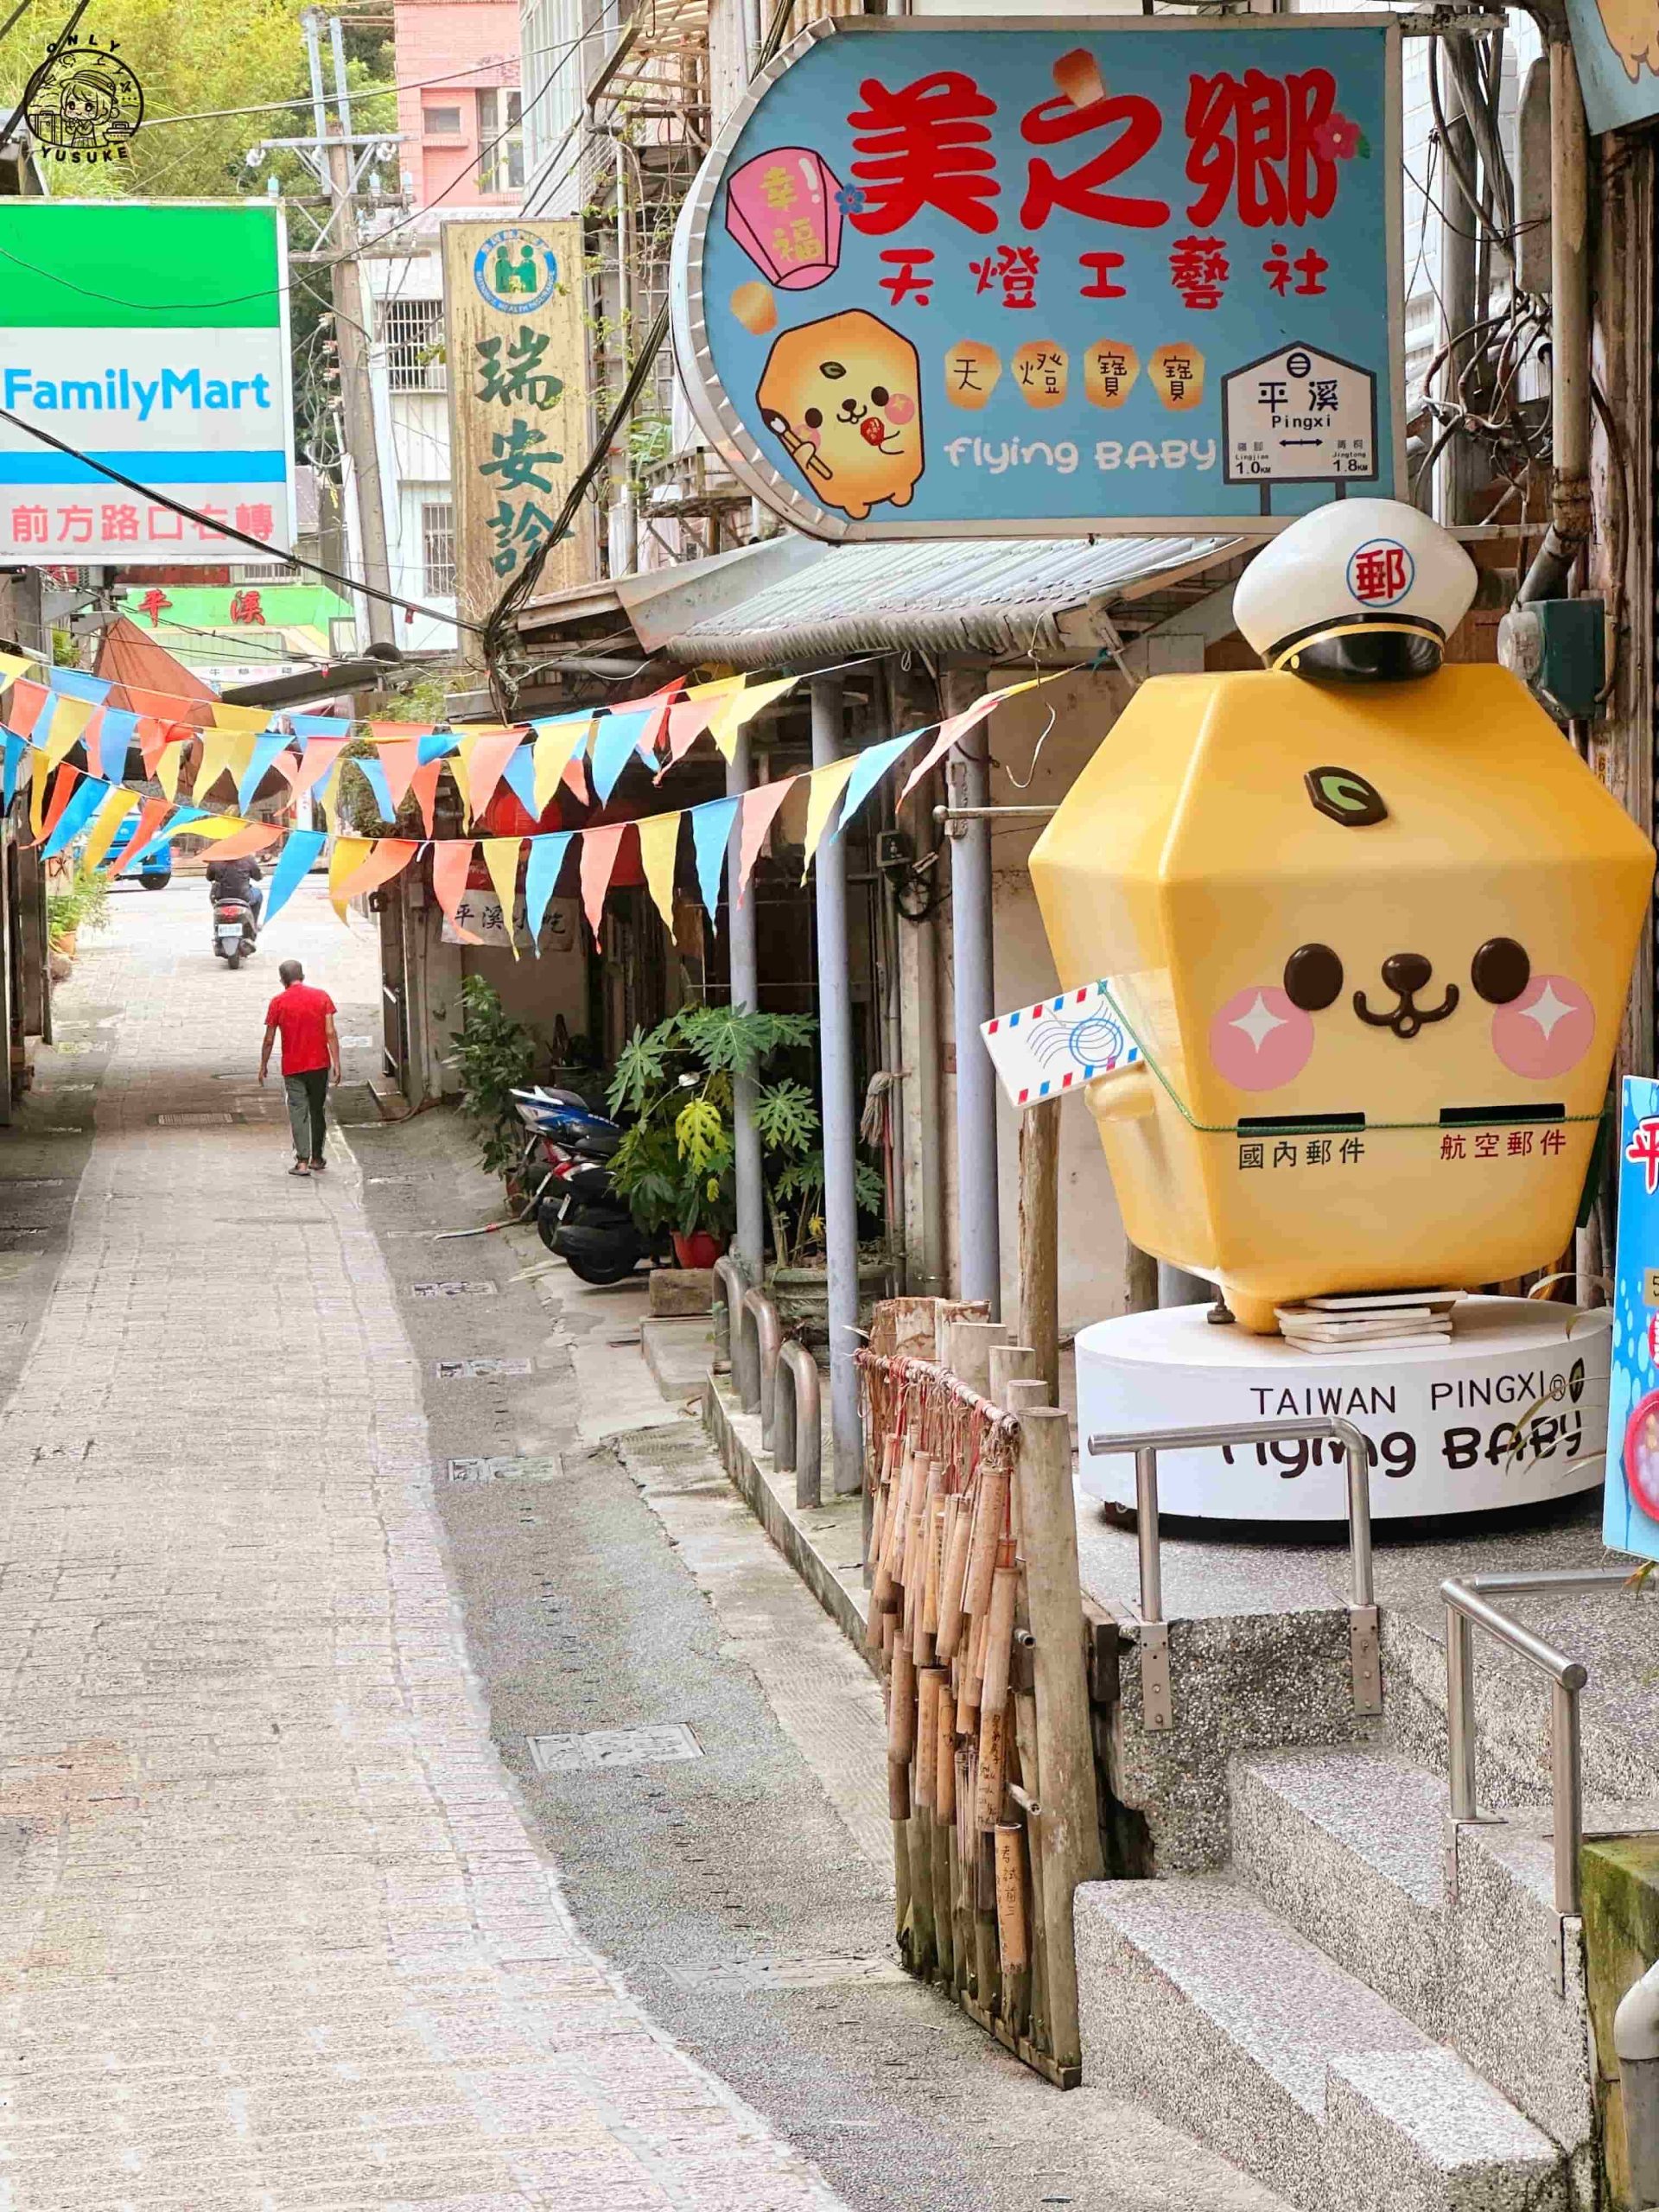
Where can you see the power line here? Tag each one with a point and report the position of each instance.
(265, 550)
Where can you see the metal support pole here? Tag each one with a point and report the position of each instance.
(1566, 1794)
(840, 1108)
(1460, 1713)
(751, 1240)
(979, 1234)
(1146, 1534)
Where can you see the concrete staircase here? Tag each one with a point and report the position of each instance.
(1321, 2010)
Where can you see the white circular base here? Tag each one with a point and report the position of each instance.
(1440, 1419)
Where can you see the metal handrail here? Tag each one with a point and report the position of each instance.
(798, 1422)
(730, 1278)
(1466, 1608)
(1364, 1650)
(757, 1384)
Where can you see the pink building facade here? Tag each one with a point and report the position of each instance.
(469, 50)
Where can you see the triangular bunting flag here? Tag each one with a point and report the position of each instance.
(151, 814)
(737, 708)
(711, 827)
(824, 786)
(293, 865)
(398, 759)
(616, 740)
(452, 862)
(485, 754)
(168, 765)
(266, 747)
(69, 726)
(153, 734)
(368, 767)
(761, 806)
(519, 776)
(83, 806)
(558, 746)
(424, 785)
(183, 817)
(235, 838)
(390, 857)
(659, 840)
(222, 750)
(321, 754)
(55, 799)
(541, 878)
(438, 744)
(116, 806)
(28, 698)
(954, 727)
(872, 764)
(76, 684)
(116, 728)
(12, 664)
(686, 724)
(18, 757)
(348, 856)
(238, 721)
(599, 851)
(501, 859)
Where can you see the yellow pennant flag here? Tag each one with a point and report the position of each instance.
(659, 840)
(168, 766)
(69, 722)
(328, 790)
(824, 787)
(222, 749)
(556, 746)
(349, 855)
(246, 721)
(39, 786)
(12, 664)
(501, 858)
(111, 815)
(739, 707)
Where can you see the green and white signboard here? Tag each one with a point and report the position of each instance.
(151, 339)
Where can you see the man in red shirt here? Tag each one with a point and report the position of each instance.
(310, 1055)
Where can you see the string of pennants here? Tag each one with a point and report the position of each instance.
(68, 802)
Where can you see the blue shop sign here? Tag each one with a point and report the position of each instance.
(1631, 1519)
(1043, 279)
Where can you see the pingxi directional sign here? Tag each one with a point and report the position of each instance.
(1044, 275)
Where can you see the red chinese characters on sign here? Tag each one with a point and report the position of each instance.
(1643, 1150)
(1278, 268)
(925, 145)
(1198, 269)
(245, 606)
(1014, 268)
(1135, 127)
(155, 603)
(911, 274)
(1105, 266)
(1265, 146)
(1378, 573)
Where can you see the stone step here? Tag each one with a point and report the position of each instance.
(1199, 2001)
(1348, 1845)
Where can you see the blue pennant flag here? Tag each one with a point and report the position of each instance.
(16, 753)
(711, 829)
(375, 776)
(75, 683)
(266, 747)
(320, 725)
(872, 767)
(84, 803)
(114, 736)
(180, 819)
(291, 870)
(519, 776)
(541, 877)
(615, 742)
(437, 744)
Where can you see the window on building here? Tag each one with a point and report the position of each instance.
(437, 547)
(500, 135)
(555, 66)
(412, 333)
(441, 121)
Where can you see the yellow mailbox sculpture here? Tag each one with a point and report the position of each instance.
(1371, 922)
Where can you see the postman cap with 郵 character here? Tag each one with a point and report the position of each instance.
(1363, 591)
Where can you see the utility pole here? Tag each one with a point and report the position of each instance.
(337, 146)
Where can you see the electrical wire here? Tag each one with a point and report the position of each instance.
(356, 92)
(265, 550)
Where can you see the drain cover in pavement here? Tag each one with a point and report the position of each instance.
(191, 1120)
(399, 1178)
(790, 1973)
(32, 1182)
(453, 1289)
(543, 1467)
(670, 1739)
(356, 1041)
(469, 1370)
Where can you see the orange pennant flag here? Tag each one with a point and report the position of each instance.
(760, 805)
(151, 816)
(424, 785)
(152, 734)
(452, 862)
(63, 784)
(238, 844)
(399, 758)
(485, 754)
(321, 754)
(599, 851)
(28, 698)
(390, 856)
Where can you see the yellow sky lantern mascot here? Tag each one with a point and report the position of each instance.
(1370, 921)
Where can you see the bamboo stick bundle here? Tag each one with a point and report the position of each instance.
(899, 1806)
(943, 1913)
(918, 1481)
(984, 1873)
(921, 1894)
(900, 1879)
(999, 1640)
(935, 1568)
(968, 1695)
(987, 1803)
(956, 1578)
(889, 1636)
(901, 1706)
(1013, 1939)
(893, 1537)
(945, 1783)
(927, 1733)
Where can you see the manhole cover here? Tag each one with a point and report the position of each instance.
(595, 1747)
(453, 1289)
(470, 1371)
(543, 1467)
(191, 1120)
(790, 1973)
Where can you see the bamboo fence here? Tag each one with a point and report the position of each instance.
(990, 1773)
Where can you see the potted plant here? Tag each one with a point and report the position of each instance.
(676, 1163)
(494, 1055)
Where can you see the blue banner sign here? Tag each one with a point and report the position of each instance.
(1631, 1519)
(1044, 279)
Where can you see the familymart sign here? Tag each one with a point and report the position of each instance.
(152, 341)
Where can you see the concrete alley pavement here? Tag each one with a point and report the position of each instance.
(274, 1934)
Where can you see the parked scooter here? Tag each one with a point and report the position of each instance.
(579, 1215)
(235, 932)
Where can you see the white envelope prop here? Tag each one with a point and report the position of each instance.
(1043, 1051)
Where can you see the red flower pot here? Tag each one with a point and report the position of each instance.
(700, 1250)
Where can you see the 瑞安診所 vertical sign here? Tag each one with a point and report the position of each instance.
(153, 342)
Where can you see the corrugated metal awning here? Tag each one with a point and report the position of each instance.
(976, 595)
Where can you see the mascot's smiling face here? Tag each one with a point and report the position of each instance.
(843, 398)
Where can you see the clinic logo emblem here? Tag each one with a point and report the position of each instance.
(515, 270)
(84, 105)
(1381, 572)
